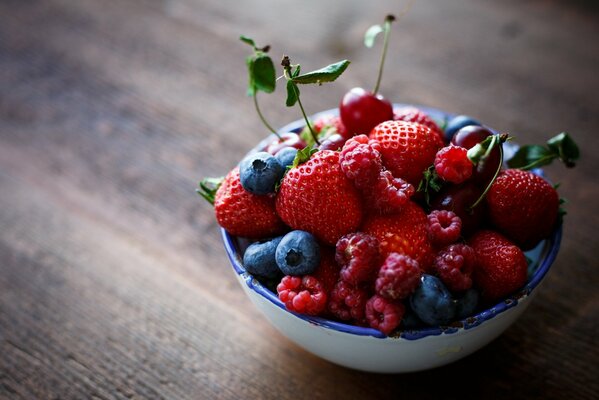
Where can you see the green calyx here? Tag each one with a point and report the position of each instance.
(208, 187)
(561, 147)
(430, 182)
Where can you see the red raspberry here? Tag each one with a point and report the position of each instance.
(453, 165)
(358, 254)
(389, 194)
(398, 277)
(444, 227)
(304, 295)
(383, 314)
(361, 161)
(348, 302)
(455, 265)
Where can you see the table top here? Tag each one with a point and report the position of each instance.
(113, 279)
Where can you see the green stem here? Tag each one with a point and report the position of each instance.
(388, 20)
(482, 196)
(299, 102)
(270, 128)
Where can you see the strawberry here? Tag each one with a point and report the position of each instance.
(328, 270)
(523, 206)
(412, 114)
(244, 214)
(501, 266)
(328, 125)
(403, 233)
(317, 197)
(408, 149)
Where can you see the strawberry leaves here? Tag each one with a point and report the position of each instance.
(561, 147)
(208, 187)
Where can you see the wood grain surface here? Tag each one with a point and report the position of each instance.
(113, 280)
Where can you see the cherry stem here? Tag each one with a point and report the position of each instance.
(387, 27)
(270, 128)
(499, 142)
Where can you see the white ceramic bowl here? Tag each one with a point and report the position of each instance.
(368, 349)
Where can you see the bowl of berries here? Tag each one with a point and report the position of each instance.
(387, 237)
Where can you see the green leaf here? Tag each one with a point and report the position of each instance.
(565, 147)
(531, 156)
(292, 94)
(431, 182)
(371, 34)
(303, 155)
(208, 187)
(264, 73)
(247, 40)
(326, 74)
(251, 90)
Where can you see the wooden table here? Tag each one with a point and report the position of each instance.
(113, 280)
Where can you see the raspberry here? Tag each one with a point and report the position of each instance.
(304, 295)
(361, 161)
(452, 164)
(455, 265)
(398, 277)
(348, 302)
(389, 194)
(358, 254)
(444, 227)
(383, 314)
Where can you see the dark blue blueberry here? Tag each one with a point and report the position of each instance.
(259, 259)
(410, 320)
(457, 123)
(298, 253)
(260, 172)
(286, 155)
(466, 304)
(432, 302)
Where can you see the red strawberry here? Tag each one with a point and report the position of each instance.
(244, 214)
(403, 233)
(501, 266)
(317, 197)
(328, 270)
(328, 125)
(407, 148)
(412, 114)
(523, 206)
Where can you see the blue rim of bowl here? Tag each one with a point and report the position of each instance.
(550, 248)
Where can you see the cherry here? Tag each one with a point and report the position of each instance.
(287, 139)
(468, 137)
(361, 111)
(334, 142)
(459, 199)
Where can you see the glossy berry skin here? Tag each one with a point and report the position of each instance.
(259, 259)
(413, 114)
(328, 125)
(432, 302)
(298, 253)
(360, 111)
(407, 148)
(523, 206)
(466, 303)
(288, 139)
(457, 123)
(304, 295)
(285, 156)
(444, 227)
(317, 197)
(469, 136)
(384, 314)
(398, 277)
(452, 164)
(244, 214)
(260, 172)
(334, 142)
(403, 233)
(358, 254)
(458, 199)
(327, 272)
(501, 266)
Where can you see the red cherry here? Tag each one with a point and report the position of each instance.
(459, 199)
(334, 142)
(361, 111)
(469, 136)
(288, 139)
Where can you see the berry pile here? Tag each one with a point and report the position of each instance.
(379, 217)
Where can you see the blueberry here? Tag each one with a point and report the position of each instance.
(260, 172)
(286, 155)
(298, 253)
(259, 259)
(457, 123)
(466, 304)
(410, 320)
(432, 302)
